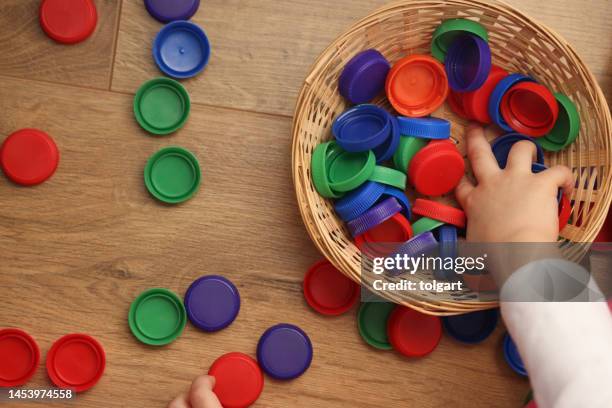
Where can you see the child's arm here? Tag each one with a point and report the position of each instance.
(200, 395)
(566, 347)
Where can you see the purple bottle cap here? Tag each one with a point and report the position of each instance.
(364, 76)
(166, 11)
(468, 63)
(376, 215)
(284, 351)
(212, 303)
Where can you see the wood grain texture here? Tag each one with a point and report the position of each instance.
(28, 53)
(76, 250)
(262, 50)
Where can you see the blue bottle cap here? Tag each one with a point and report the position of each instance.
(212, 303)
(362, 128)
(181, 49)
(467, 63)
(166, 11)
(513, 358)
(502, 145)
(401, 197)
(447, 238)
(364, 76)
(472, 327)
(387, 149)
(498, 93)
(359, 201)
(284, 352)
(425, 128)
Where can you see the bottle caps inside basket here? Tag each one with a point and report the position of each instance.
(408, 147)
(389, 177)
(68, 21)
(436, 169)
(172, 175)
(19, 355)
(529, 108)
(212, 303)
(498, 93)
(417, 85)
(29, 157)
(412, 333)
(425, 224)
(401, 197)
(284, 352)
(439, 211)
(378, 241)
(467, 63)
(347, 170)
(372, 323)
(238, 380)
(565, 211)
(385, 150)
(364, 76)
(512, 356)
(472, 327)
(328, 291)
(502, 145)
(476, 103)
(322, 157)
(376, 215)
(420, 244)
(161, 106)
(445, 34)
(157, 317)
(428, 128)
(181, 49)
(566, 127)
(359, 201)
(362, 128)
(166, 11)
(76, 361)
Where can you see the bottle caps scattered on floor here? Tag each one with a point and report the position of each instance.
(413, 334)
(172, 175)
(157, 317)
(212, 303)
(512, 356)
(76, 361)
(68, 21)
(19, 355)
(29, 157)
(328, 291)
(284, 352)
(364, 76)
(372, 323)
(162, 106)
(239, 380)
(181, 49)
(472, 327)
(166, 11)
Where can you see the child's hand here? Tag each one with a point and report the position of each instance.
(513, 204)
(200, 395)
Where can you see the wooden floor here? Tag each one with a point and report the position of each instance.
(76, 250)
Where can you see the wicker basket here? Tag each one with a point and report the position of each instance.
(518, 44)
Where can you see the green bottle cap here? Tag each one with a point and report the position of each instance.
(425, 224)
(566, 128)
(390, 177)
(446, 32)
(372, 323)
(408, 147)
(350, 170)
(172, 175)
(322, 157)
(161, 106)
(157, 317)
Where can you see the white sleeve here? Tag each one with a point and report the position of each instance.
(566, 347)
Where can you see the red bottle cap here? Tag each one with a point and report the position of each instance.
(455, 101)
(29, 157)
(68, 21)
(417, 85)
(476, 104)
(436, 169)
(440, 212)
(530, 109)
(412, 333)
(376, 241)
(76, 361)
(565, 210)
(239, 380)
(329, 291)
(19, 355)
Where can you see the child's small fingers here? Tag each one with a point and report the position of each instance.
(201, 394)
(180, 402)
(561, 176)
(463, 191)
(480, 154)
(521, 156)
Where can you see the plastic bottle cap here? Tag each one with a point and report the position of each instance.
(328, 291)
(401, 197)
(408, 147)
(472, 327)
(530, 109)
(76, 361)
(372, 322)
(436, 169)
(212, 303)
(181, 49)
(498, 93)
(376, 241)
(29, 157)
(502, 145)
(20, 356)
(363, 77)
(359, 201)
(439, 211)
(425, 224)
(389, 176)
(513, 357)
(417, 85)
(447, 238)
(476, 103)
(420, 244)
(166, 11)
(386, 150)
(567, 125)
(322, 157)
(376, 215)
(68, 21)
(427, 128)
(161, 106)
(455, 101)
(412, 333)
(446, 32)
(239, 380)
(362, 128)
(565, 210)
(172, 175)
(157, 317)
(284, 352)
(467, 63)
(347, 171)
